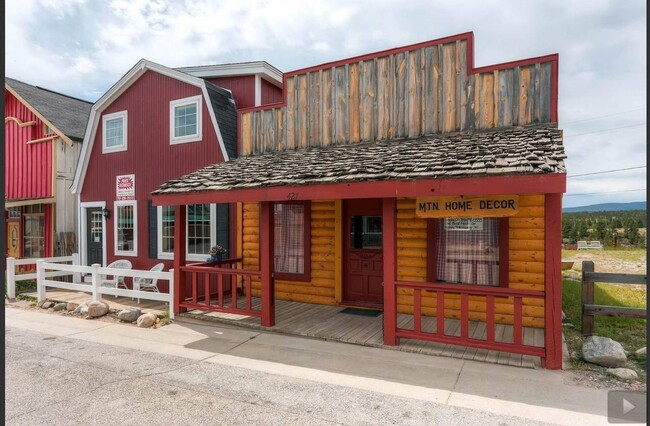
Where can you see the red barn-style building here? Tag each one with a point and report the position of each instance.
(408, 181)
(154, 124)
(44, 131)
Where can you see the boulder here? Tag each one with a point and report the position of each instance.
(71, 306)
(97, 309)
(40, 304)
(129, 314)
(81, 309)
(623, 373)
(47, 305)
(640, 352)
(60, 306)
(146, 320)
(603, 351)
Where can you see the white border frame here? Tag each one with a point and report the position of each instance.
(198, 136)
(124, 115)
(83, 244)
(188, 256)
(117, 204)
(159, 236)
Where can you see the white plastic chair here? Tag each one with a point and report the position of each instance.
(117, 280)
(148, 284)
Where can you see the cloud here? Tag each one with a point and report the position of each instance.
(82, 48)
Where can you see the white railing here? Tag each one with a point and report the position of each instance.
(582, 245)
(48, 268)
(12, 277)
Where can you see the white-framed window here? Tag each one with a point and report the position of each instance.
(201, 232)
(185, 120)
(114, 132)
(126, 228)
(166, 222)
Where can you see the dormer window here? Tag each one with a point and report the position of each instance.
(185, 120)
(114, 135)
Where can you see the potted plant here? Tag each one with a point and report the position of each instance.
(216, 253)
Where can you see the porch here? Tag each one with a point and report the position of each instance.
(333, 324)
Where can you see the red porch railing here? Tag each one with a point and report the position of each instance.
(491, 294)
(220, 287)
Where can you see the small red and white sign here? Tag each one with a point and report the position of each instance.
(125, 187)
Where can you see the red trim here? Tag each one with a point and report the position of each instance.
(389, 245)
(180, 234)
(266, 264)
(522, 184)
(553, 281)
(306, 275)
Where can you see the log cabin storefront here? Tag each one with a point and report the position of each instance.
(406, 181)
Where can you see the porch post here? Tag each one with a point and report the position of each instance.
(266, 264)
(389, 244)
(180, 236)
(553, 281)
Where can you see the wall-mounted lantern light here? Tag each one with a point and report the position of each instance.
(105, 213)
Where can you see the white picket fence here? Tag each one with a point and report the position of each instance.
(48, 268)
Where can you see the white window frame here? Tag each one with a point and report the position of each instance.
(117, 251)
(188, 256)
(162, 254)
(124, 116)
(198, 100)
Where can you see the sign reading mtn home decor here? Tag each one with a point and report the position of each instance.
(482, 206)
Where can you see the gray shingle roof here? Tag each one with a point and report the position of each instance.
(223, 105)
(512, 151)
(68, 114)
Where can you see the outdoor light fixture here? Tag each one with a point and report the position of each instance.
(105, 213)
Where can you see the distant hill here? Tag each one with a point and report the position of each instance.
(608, 207)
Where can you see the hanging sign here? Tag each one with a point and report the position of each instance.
(478, 206)
(125, 187)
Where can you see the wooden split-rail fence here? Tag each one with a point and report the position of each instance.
(590, 309)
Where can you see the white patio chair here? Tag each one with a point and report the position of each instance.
(117, 280)
(148, 284)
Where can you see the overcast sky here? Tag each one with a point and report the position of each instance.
(82, 47)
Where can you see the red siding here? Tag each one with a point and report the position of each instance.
(149, 154)
(271, 94)
(242, 88)
(28, 168)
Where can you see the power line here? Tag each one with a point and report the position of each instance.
(606, 171)
(607, 192)
(603, 116)
(605, 130)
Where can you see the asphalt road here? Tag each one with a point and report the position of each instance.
(70, 371)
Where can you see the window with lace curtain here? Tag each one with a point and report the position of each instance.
(469, 251)
(291, 241)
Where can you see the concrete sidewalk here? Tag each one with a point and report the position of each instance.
(539, 395)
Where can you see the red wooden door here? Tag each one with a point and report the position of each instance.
(363, 256)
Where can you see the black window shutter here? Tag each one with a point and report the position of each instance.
(153, 230)
(222, 228)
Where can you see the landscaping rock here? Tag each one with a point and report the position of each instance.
(640, 352)
(40, 304)
(146, 320)
(71, 306)
(59, 306)
(129, 314)
(623, 373)
(97, 309)
(603, 351)
(47, 305)
(81, 309)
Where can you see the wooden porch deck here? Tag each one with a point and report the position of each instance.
(330, 323)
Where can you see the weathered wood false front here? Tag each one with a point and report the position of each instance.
(428, 88)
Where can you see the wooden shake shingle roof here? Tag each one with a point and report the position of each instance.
(512, 151)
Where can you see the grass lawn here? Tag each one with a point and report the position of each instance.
(608, 255)
(629, 332)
